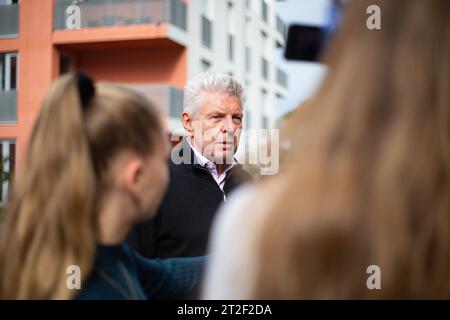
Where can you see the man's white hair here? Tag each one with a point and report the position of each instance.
(210, 82)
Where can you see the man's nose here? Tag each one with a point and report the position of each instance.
(229, 125)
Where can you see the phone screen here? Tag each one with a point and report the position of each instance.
(304, 43)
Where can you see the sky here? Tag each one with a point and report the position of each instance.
(304, 77)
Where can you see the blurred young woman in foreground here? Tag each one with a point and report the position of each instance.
(96, 164)
(370, 184)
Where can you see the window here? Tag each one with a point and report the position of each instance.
(247, 118)
(9, 18)
(247, 111)
(7, 168)
(281, 27)
(205, 65)
(248, 59)
(248, 30)
(207, 16)
(266, 53)
(230, 47)
(231, 25)
(265, 122)
(282, 78)
(265, 44)
(264, 105)
(8, 71)
(206, 32)
(175, 102)
(248, 41)
(279, 100)
(65, 64)
(264, 11)
(264, 99)
(264, 68)
(8, 87)
(248, 4)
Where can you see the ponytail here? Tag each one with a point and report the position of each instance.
(50, 223)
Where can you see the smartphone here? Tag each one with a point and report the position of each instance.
(304, 43)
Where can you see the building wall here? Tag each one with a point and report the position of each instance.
(143, 55)
(124, 54)
(37, 67)
(246, 35)
(140, 65)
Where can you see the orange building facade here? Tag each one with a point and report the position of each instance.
(124, 42)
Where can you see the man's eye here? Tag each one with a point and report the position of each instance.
(238, 119)
(215, 117)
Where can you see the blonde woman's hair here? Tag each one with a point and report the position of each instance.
(51, 218)
(371, 181)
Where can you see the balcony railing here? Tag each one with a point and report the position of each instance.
(8, 106)
(107, 13)
(282, 78)
(9, 20)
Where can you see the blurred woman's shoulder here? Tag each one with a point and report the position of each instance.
(234, 239)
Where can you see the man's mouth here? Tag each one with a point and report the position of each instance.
(226, 144)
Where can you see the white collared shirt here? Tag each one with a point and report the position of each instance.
(211, 167)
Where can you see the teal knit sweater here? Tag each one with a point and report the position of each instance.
(121, 273)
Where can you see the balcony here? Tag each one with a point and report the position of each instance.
(9, 20)
(8, 106)
(282, 78)
(109, 13)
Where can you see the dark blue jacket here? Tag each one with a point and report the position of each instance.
(121, 273)
(182, 224)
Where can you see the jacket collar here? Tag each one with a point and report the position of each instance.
(183, 154)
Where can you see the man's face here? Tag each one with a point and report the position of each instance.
(216, 126)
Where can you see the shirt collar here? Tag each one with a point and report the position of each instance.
(205, 162)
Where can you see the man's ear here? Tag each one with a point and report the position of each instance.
(188, 123)
(132, 175)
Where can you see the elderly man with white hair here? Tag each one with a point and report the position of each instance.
(203, 170)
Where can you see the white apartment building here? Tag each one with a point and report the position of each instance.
(239, 37)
